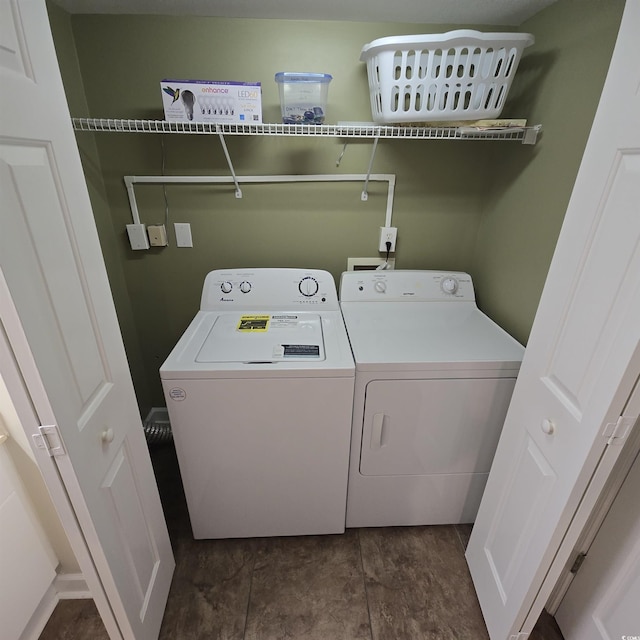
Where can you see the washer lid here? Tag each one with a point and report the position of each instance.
(264, 338)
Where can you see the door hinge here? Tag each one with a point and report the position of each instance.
(616, 432)
(49, 439)
(577, 563)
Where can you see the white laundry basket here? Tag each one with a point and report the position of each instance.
(459, 75)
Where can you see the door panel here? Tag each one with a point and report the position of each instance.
(586, 330)
(137, 542)
(28, 182)
(531, 481)
(578, 369)
(51, 259)
(602, 601)
(11, 54)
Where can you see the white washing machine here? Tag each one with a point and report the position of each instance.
(434, 377)
(260, 392)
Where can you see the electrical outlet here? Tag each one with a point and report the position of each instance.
(138, 238)
(388, 234)
(157, 235)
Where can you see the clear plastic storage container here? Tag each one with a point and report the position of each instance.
(303, 96)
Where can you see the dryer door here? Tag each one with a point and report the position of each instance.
(421, 427)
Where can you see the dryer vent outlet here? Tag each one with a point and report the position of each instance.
(369, 264)
(157, 428)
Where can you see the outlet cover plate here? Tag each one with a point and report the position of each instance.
(183, 234)
(138, 238)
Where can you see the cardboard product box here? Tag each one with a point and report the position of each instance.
(212, 101)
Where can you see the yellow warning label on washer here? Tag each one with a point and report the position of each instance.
(254, 323)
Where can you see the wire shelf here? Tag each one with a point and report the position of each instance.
(526, 135)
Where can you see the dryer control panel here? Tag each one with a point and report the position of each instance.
(269, 288)
(399, 285)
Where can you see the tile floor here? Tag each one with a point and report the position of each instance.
(399, 583)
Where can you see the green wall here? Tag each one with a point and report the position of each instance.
(439, 190)
(74, 88)
(448, 199)
(558, 84)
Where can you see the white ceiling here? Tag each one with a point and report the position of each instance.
(497, 12)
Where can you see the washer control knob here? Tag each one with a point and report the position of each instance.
(449, 285)
(226, 287)
(380, 286)
(245, 286)
(308, 286)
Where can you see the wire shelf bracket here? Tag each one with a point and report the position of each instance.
(228, 157)
(365, 194)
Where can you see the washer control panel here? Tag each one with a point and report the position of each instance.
(269, 288)
(399, 285)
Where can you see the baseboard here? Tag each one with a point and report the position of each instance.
(71, 586)
(65, 586)
(41, 615)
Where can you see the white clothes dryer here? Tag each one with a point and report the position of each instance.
(259, 391)
(434, 378)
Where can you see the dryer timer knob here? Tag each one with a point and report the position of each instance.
(380, 286)
(449, 285)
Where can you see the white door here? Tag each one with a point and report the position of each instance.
(27, 566)
(580, 365)
(51, 259)
(29, 399)
(602, 601)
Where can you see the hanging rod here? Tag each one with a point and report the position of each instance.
(389, 178)
(526, 135)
